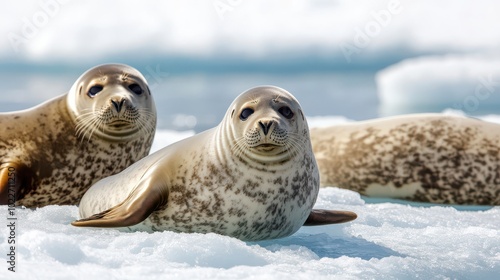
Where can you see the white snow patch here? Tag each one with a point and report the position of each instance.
(164, 138)
(388, 240)
(469, 83)
(325, 121)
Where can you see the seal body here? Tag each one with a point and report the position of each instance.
(52, 153)
(424, 157)
(252, 177)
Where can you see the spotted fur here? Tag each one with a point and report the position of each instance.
(429, 158)
(249, 204)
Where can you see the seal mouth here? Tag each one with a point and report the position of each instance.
(267, 147)
(119, 124)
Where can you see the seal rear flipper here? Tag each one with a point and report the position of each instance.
(326, 217)
(142, 201)
(16, 180)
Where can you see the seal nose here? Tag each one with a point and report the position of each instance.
(118, 104)
(265, 125)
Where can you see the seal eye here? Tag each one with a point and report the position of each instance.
(94, 90)
(136, 89)
(286, 112)
(246, 113)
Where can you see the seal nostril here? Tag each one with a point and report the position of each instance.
(122, 103)
(265, 126)
(118, 105)
(269, 125)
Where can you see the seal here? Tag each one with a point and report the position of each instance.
(423, 157)
(54, 152)
(252, 177)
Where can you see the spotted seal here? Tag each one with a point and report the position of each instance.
(252, 177)
(424, 157)
(52, 153)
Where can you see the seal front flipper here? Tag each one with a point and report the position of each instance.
(142, 201)
(326, 217)
(16, 180)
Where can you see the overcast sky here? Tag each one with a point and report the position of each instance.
(50, 31)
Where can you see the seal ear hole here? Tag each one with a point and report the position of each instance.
(135, 88)
(302, 114)
(247, 112)
(232, 114)
(80, 90)
(94, 90)
(286, 112)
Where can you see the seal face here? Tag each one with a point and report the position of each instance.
(113, 102)
(252, 177)
(54, 152)
(424, 157)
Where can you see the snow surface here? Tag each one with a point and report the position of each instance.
(388, 240)
(470, 83)
(391, 239)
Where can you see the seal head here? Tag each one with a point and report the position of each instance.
(111, 101)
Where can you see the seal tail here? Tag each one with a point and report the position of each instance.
(320, 217)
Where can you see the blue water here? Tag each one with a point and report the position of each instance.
(199, 100)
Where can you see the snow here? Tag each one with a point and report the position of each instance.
(470, 83)
(164, 138)
(391, 239)
(325, 121)
(388, 240)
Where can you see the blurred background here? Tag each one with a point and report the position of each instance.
(356, 59)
